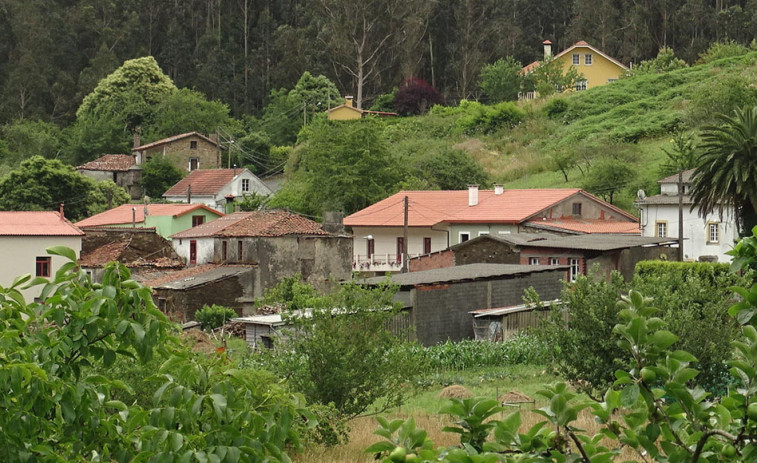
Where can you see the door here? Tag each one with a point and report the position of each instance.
(400, 248)
(192, 252)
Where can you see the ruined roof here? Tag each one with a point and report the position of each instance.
(204, 182)
(461, 273)
(114, 252)
(195, 276)
(175, 138)
(256, 223)
(123, 213)
(36, 223)
(110, 163)
(588, 226)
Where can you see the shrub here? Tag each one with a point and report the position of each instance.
(720, 50)
(486, 119)
(501, 80)
(214, 316)
(416, 96)
(556, 107)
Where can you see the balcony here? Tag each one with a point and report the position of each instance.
(379, 262)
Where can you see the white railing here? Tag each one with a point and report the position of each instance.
(378, 262)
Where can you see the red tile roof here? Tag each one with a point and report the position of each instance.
(530, 67)
(174, 138)
(256, 223)
(123, 214)
(587, 226)
(36, 223)
(110, 163)
(204, 182)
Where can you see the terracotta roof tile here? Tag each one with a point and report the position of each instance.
(256, 223)
(172, 139)
(110, 163)
(123, 213)
(36, 223)
(204, 182)
(158, 278)
(587, 226)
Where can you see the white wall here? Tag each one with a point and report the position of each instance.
(695, 230)
(20, 257)
(385, 240)
(204, 249)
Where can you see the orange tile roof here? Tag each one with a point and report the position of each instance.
(581, 43)
(428, 208)
(256, 223)
(174, 138)
(204, 182)
(36, 223)
(110, 162)
(123, 213)
(587, 226)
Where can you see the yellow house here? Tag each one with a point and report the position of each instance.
(596, 67)
(348, 112)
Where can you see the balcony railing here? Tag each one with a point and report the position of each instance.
(379, 262)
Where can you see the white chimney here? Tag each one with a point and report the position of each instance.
(472, 195)
(547, 49)
(498, 189)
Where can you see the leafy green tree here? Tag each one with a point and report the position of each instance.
(42, 184)
(27, 138)
(416, 96)
(158, 175)
(682, 154)
(607, 177)
(549, 77)
(665, 61)
(720, 50)
(106, 195)
(185, 111)
(452, 169)
(501, 80)
(728, 166)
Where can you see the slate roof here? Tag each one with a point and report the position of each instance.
(256, 223)
(123, 213)
(204, 182)
(582, 242)
(173, 139)
(195, 276)
(110, 163)
(666, 199)
(460, 273)
(428, 208)
(587, 226)
(36, 223)
(674, 178)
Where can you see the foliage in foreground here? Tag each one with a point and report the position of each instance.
(214, 316)
(56, 408)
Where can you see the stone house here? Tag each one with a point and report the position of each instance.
(216, 188)
(187, 151)
(122, 169)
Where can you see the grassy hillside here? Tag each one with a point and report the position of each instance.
(627, 122)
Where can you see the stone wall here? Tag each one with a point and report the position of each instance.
(440, 259)
(179, 153)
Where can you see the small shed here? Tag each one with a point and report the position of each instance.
(260, 330)
(502, 323)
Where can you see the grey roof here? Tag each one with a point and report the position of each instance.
(461, 272)
(665, 199)
(496, 311)
(674, 178)
(269, 320)
(216, 274)
(584, 242)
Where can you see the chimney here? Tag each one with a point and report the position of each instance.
(333, 222)
(498, 189)
(213, 137)
(472, 195)
(547, 49)
(348, 101)
(136, 137)
(62, 215)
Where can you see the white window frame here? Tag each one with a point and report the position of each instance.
(575, 268)
(554, 261)
(657, 225)
(245, 185)
(713, 226)
(582, 85)
(588, 59)
(576, 59)
(482, 233)
(460, 236)
(533, 261)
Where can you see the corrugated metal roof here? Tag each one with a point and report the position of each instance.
(461, 272)
(493, 312)
(123, 213)
(36, 223)
(582, 242)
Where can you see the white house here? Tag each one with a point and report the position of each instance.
(440, 219)
(216, 187)
(705, 238)
(24, 238)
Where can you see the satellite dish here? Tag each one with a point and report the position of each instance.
(640, 195)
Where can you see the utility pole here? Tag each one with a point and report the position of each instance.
(680, 212)
(404, 240)
(189, 194)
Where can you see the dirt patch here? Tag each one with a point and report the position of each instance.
(199, 341)
(455, 391)
(471, 145)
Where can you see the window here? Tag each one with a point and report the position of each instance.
(400, 248)
(224, 250)
(581, 85)
(609, 81)
(198, 220)
(661, 229)
(482, 233)
(533, 261)
(426, 245)
(193, 144)
(245, 185)
(576, 59)
(554, 261)
(464, 236)
(575, 268)
(194, 164)
(576, 208)
(240, 248)
(370, 245)
(192, 251)
(43, 266)
(587, 59)
(713, 233)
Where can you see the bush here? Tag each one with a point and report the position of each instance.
(415, 96)
(501, 80)
(158, 175)
(720, 50)
(214, 316)
(486, 119)
(556, 107)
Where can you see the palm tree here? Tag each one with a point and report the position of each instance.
(727, 172)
